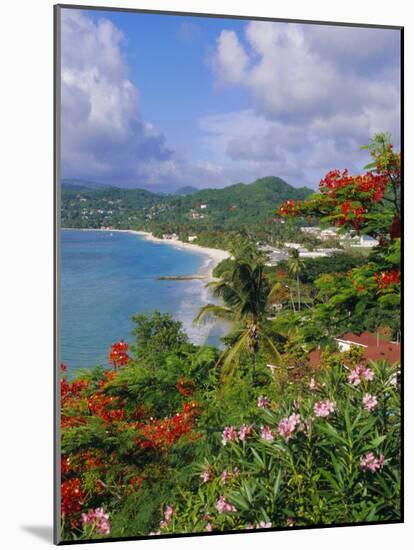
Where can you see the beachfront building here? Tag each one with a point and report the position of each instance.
(365, 241)
(192, 238)
(327, 234)
(311, 230)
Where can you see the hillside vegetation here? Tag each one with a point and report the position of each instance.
(239, 206)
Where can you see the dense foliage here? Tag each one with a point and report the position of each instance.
(209, 213)
(178, 438)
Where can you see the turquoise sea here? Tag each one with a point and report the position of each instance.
(106, 277)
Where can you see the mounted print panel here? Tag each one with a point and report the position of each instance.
(228, 274)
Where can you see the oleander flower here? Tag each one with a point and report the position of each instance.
(225, 476)
(324, 408)
(229, 434)
(169, 512)
(313, 385)
(359, 373)
(244, 432)
(266, 433)
(98, 519)
(264, 525)
(209, 527)
(206, 475)
(372, 463)
(222, 506)
(368, 374)
(288, 425)
(369, 401)
(263, 402)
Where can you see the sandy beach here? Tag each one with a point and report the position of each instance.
(213, 256)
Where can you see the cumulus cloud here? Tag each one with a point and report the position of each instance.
(230, 60)
(103, 134)
(318, 93)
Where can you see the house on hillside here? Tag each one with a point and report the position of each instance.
(375, 349)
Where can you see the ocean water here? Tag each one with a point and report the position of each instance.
(106, 278)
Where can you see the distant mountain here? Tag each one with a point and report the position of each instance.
(230, 208)
(186, 190)
(83, 185)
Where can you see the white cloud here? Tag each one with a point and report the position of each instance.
(319, 92)
(230, 60)
(103, 134)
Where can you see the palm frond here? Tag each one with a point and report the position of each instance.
(271, 349)
(273, 292)
(231, 358)
(213, 311)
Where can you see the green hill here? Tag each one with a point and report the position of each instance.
(232, 208)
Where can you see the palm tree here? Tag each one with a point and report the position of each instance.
(246, 295)
(295, 266)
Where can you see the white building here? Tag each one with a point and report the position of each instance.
(328, 234)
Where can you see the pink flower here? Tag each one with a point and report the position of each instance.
(169, 512)
(163, 524)
(370, 462)
(264, 525)
(324, 408)
(229, 434)
(368, 374)
(393, 381)
(236, 471)
(369, 402)
(205, 476)
(244, 432)
(263, 402)
(222, 506)
(288, 425)
(209, 527)
(266, 433)
(360, 373)
(313, 385)
(98, 519)
(224, 476)
(354, 376)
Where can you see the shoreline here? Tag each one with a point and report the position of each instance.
(214, 255)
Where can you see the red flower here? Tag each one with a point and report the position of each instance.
(118, 354)
(387, 278)
(72, 496)
(289, 208)
(185, 387)
(163, 433)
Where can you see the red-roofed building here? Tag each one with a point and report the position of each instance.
(375, 349)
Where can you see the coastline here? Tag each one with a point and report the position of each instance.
(213, 255)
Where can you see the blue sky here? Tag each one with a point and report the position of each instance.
(165, 101)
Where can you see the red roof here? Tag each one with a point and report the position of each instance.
(390, 351)
(374, 348)
(363, 339)
(315, 357)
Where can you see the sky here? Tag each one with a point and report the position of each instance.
(164, 101)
